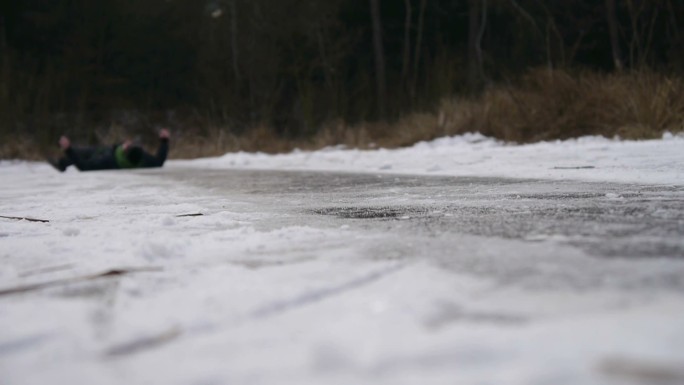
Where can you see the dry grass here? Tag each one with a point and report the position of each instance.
(555, 105)
(19, 148)
(543, 105)
(217, 141)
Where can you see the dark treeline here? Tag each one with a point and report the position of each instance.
(292, 64)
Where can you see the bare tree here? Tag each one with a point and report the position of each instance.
(644, 18)
(614, 37)
(234, 38)
(407, 41)
(380, 81)
(477, 24)
(417, 50)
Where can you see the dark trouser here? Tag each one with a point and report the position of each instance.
(85, 153)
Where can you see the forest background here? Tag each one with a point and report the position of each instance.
(273, 75)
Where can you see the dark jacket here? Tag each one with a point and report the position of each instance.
(106, 159)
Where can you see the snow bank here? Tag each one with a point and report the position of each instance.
(658, 161)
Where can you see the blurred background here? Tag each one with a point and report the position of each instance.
(273, 75)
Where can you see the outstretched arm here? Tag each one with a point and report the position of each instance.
(160, 157)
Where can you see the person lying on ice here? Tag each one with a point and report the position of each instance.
(120, 156)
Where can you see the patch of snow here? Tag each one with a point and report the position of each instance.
(590, 158)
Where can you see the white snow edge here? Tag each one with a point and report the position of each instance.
(591, 158)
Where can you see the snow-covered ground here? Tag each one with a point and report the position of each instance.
(587, 158)
(126, 283)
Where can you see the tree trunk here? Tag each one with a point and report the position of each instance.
(614, 37)
(2, 33)
(416, 53)
(477, 20)
(407, 42)
(379, 58)
(4, 76)
(234, 39)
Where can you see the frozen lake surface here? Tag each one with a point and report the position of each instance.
(204, 274)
